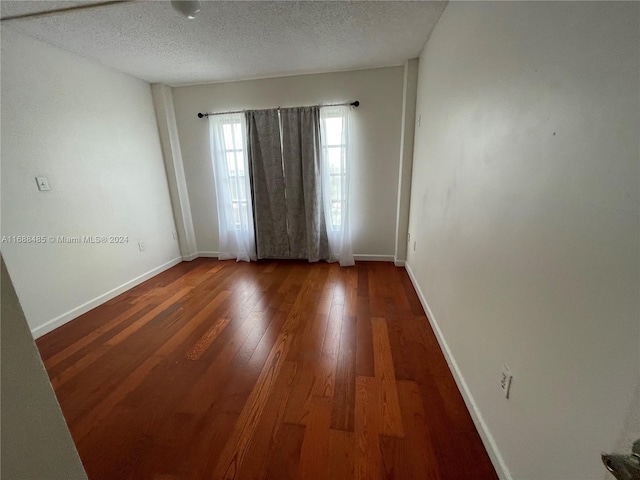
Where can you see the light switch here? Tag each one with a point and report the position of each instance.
(43, 184)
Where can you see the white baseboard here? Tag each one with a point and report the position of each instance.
(105, 297)
(476, 415)
(372, 258)
(399, 263)
(208, 254)
(357, 256)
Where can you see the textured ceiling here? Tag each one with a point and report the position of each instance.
(235, 40)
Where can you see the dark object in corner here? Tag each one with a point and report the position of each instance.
(624, 467)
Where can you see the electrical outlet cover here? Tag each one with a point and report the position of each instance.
(43, 184)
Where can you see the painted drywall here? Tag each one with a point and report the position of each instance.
(92, 132)
(37, 443)
(376, 139)
(524, 208)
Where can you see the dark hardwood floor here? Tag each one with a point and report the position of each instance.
(270, 370)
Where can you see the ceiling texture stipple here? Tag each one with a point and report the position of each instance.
(234, 40)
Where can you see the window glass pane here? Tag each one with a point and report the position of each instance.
(242, 194)
(333, 130)
(236, 213)
(237, 133)
(228, 137)
(335, 186)
(334, 155)
(241, 214)
(231, 164)
(234, 190)
(240, 163)
(336, 214)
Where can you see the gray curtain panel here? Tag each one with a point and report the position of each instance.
(303, 183)
(268, 186)
(284, 160)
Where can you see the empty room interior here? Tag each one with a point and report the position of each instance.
(320, 240)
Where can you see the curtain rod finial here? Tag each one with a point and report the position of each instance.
(200, 115)
(356, 103)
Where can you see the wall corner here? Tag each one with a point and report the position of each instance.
(170, 141)
(409, 96)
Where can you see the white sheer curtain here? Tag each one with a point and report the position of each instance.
(337, 181)
(233, 191)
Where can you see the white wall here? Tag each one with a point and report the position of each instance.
(377, 124)
(525, 202)
(37, 441)
(92, 131)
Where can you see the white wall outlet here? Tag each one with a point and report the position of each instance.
(419, 119)
(175, 235)
(43, 184)
(505, 381)
(141, 246)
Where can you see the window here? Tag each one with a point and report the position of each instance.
(334, 145)
(336, 179)
(234, 151)
(236, 236)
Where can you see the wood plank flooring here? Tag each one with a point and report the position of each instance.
(269, 370)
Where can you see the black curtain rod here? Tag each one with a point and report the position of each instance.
(353, 104)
